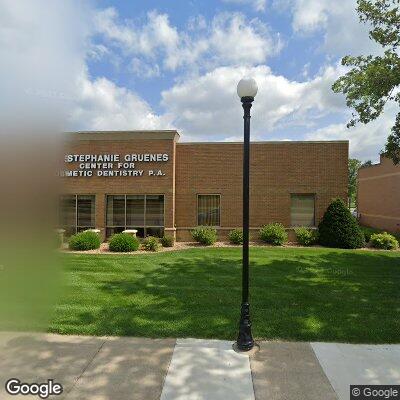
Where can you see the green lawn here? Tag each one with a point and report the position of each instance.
(296, 294)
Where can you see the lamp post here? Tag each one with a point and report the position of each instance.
(246, 90)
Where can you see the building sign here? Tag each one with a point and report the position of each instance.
(113, 165)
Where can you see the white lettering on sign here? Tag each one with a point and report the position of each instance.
(112, 165)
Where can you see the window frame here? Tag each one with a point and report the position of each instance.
(145, 211)
(76, 227)
(315, 209)
(197, 208)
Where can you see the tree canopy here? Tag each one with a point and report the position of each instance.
(374, 80)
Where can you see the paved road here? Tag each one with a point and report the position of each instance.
(105, 368)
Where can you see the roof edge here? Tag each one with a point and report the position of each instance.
(169, 134)
(272, 142)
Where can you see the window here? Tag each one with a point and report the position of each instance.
(302, 210)
(208, 209)
(142, 212)
(115, 214)
(77, 213)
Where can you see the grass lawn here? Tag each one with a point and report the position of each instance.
(296, 294)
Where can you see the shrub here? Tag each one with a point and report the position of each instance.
(368, 232)
(306, 236)
(274, 234)
(339, 228)
(84, 241)
(236, 236)
(123, 242)
(205, 235)
(384, 241)
(151, 243)
(167, 241)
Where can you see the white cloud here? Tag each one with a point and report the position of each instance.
(144, 70)
(238, 41)
(229, 39)
(339, 22)
(258, 5)
(207, 107)
(366, 141)
(147, 39)
(309, 15)
(102, 105)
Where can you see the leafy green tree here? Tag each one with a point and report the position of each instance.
(374, 80)
(354, 165)
(367, 163)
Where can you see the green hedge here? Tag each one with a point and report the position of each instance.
(167, 241)
(368, 232)
(123, 242)
(274, 234)
(235, 236)
(86, 240)
(339, 228)
(204, 235)
(151, 243)
(306, 236)
(384, 241)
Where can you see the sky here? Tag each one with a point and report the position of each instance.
(175, 64)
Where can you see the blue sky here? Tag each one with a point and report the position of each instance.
(157, 64)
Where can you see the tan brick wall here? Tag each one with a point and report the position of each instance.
(101, 186)
(277, 171)
(379, 195)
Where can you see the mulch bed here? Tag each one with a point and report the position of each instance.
(190, 245)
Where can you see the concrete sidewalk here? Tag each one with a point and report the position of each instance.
(192, 369)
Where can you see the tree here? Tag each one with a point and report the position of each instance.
(338, 228)
(374, 80)
(354, 165)
(367, 163)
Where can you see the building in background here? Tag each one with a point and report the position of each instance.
(147, 180)
(379, 195)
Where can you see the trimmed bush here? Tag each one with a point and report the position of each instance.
(151, 243)
(339, 228)
(123, 243)
(167, 241)
(236, 236)
(274, 234)
(384, 241)
(204, 235)
(306, 236)
(84, 241)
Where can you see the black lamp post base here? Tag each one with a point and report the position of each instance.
(245, 341)
(252, 352)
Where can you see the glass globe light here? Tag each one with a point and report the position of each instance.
(247, 87)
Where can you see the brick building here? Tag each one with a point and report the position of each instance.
(379, 195)
(148, 180)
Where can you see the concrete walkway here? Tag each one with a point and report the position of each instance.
(349, 364)
(137, 368)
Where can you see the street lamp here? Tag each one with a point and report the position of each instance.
(246, 90)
